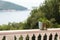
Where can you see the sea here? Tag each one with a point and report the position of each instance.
(13, 16)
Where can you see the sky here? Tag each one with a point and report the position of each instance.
(6, 17)
(27, 3)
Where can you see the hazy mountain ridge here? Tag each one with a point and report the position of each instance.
(10, 6)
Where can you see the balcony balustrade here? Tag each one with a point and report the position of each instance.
(32, 34)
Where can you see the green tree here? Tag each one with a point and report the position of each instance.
(49, 10)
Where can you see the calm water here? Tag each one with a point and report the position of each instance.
(15, 16)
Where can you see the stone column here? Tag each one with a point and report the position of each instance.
(1, 37)
(9, 37)
(17, 38)
(58, 37)
(53, 36)
(24, 37)
(30, 37)
(41, 37)
(36, 38)
(47, 37)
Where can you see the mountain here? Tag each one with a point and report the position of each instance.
(11, 6)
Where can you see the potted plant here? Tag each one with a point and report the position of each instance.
(44, 22)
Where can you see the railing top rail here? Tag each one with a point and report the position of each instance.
(20, 30)
(29, 30)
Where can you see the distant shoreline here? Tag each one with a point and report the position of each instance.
(13, 10)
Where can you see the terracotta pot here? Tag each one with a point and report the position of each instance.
(44, 26)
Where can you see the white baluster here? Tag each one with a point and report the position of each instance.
(52, 37)
(47, 37)
(9, 37)
(58, 37)
(24, 37)
(36, 38)
(17, 38)
(42, 37)
(1, 37)
(30, 37)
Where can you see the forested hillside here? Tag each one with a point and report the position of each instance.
(10, 6)
(48, 12)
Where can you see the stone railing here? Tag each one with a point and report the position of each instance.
(33, 34)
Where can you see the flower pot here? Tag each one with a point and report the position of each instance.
(40, 25)
(44, 26)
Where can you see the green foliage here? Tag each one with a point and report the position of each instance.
(21, 38)
(12, 26)
(48, 12)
